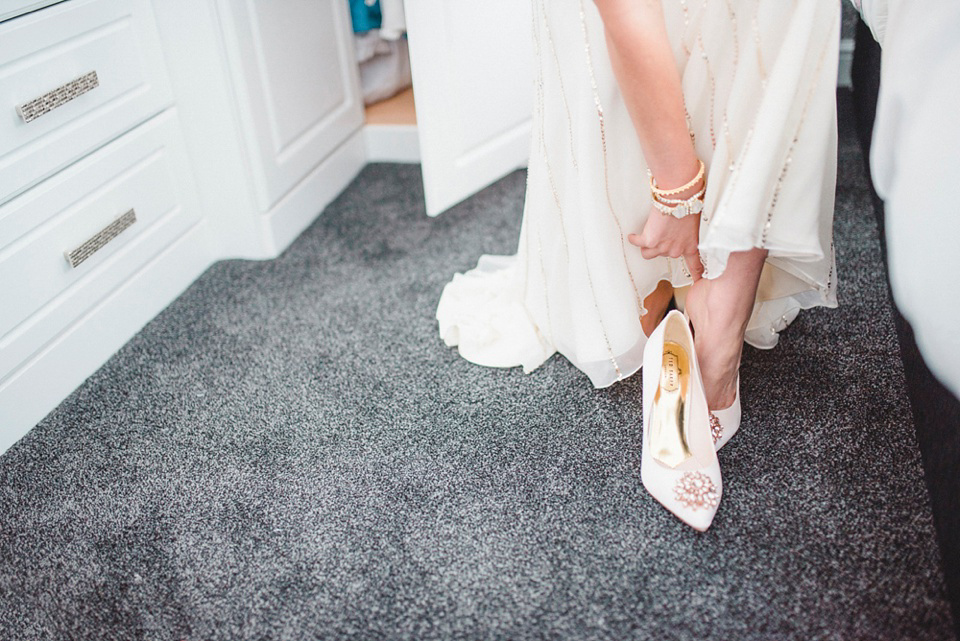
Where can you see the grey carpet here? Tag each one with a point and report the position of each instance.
(289, 452)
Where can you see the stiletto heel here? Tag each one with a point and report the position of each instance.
(678, 463)
(680, 298)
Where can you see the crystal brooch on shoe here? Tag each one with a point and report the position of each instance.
(696, 490)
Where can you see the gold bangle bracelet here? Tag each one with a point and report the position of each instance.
(669, 192)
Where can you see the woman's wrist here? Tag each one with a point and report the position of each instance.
(681, 201)
(689, 191)
(674, 173)
(681, 183)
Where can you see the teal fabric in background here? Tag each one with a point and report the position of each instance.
(365, 15)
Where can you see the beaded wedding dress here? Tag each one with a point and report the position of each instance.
(759, 83)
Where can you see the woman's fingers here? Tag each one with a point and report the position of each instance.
(650, 248)
(694, 264)
(660, 251)
(649, 252)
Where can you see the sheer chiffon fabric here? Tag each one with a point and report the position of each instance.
(759, 84)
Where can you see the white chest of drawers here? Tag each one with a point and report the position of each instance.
(140, 140)
(100, 224)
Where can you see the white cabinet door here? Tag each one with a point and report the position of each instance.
(295, 73)
(472, 66)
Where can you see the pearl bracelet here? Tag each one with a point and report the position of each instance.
(678, 208)
(693, 205)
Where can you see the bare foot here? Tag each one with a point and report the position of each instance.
(656, 305)
(719, 310)
(719, 341)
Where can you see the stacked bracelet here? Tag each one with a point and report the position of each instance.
(678, 208)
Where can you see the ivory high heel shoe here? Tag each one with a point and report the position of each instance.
(678, 463)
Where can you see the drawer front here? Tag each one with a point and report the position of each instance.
(13, 8)
(72, 77)
(108, 215)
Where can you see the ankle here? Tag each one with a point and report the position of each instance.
(728, 308)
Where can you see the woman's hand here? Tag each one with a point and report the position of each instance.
(642, 58)
(665, 235)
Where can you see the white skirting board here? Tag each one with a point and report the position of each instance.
(303, 204)
(40, 384)
(392, 143)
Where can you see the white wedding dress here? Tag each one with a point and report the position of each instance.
(759, 82)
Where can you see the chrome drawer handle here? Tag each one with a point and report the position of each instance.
(101, 238)
(60, 96)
